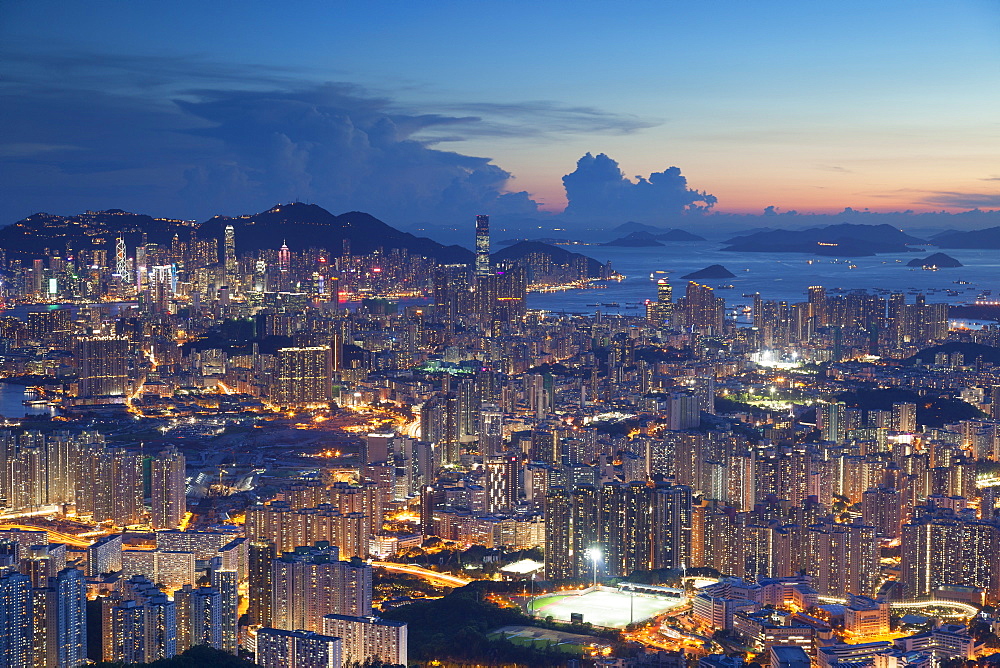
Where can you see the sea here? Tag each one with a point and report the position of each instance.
(777, 276)
(12, 397)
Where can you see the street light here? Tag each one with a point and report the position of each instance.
(594, 554)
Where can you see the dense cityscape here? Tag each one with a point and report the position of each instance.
(357, 449)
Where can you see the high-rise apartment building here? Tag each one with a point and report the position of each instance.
(941, 548)
(168, 482)
(630, 526)
(847, 559)
(103, 363)
(105, 555)
(138, 623)
(278, 648)
(15, 621)
(502, 482)
(305, 377)
(199, 617)
(368, 638)
(261, 554)
(312, 582)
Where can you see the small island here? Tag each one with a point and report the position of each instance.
(939, 260)
(712, 271)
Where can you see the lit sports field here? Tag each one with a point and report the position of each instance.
(603, 607)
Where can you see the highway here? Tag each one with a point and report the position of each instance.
(425, 573)
(54, 536)
(964, 608)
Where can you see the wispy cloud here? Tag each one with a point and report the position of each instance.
(963, 200)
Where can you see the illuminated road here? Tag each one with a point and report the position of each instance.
(54, 536)
(412, 429)
(964, 608)
(427, 574)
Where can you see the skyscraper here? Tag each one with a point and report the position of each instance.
(502, 474)
(229, 257)
(168, 486)
(305, 376)
(199, 617)
(284, 258)
(138, 623)
(227, 584)
(661, 311)
(261, 554)
(103, 366)
(15, 620)
(70, 627)
(121, 260)
(482, 245)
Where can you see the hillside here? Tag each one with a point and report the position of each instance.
(304, 226)
(94, 230)
(985, 238)
(558, 255)
(843, 240)
(299, 225)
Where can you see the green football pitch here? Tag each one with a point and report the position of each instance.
(603, 608)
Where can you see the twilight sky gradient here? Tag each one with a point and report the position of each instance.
(193, 108)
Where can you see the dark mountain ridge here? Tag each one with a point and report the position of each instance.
(985, 238)
(310, 226)
(299, 225)
(42, 233)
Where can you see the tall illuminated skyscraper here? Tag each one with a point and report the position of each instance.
(482, 245)
(229, 256)
(817, 297)
(660, 311)
(284, 258)
(121, 260)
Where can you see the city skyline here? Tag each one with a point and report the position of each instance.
(556, 335)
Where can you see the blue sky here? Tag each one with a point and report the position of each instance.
(811, 106)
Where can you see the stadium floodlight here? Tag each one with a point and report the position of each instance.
(594, 554)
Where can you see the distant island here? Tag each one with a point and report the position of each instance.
(985, 238)
(679, 235)
(640, 230)
(711, 271)
(935, 260)
(635, 240)
(843, 240)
